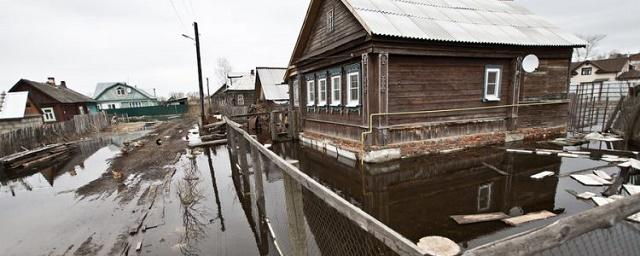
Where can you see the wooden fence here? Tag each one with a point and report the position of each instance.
(593, 104)
(31, 137)
(252, 154)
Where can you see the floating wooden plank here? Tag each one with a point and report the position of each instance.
(602, 174)
(516, 221)
(476, 218)
(208, 143)
(495, 169)
(542, 175)
(632, 189)
(585, 195)
(598, 179)
(568, 155)
(139, 246)
(586, 180)
(600, 201)
(521, 151)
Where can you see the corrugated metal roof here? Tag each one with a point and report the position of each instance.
(272, 83)
(14, 105)
(466, 21)
(241, 82)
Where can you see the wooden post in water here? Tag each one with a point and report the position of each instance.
(293, 202)
(272, 126)
(242, 155)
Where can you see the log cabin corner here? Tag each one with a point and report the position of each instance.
(378, 80)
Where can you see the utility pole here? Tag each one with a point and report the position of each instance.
(202, 117)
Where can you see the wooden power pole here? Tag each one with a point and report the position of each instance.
(202, 115)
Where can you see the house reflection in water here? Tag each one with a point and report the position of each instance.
(416, 197)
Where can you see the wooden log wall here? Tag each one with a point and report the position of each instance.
(31, 137)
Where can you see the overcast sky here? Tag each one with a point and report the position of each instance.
(138, 41)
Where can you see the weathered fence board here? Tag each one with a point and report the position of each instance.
(30, 137)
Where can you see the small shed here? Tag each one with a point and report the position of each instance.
(57, 102)
(17, 110)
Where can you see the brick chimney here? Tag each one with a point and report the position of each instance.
(63, 84)
(51, 81)
(2, 95)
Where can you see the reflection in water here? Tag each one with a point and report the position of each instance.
(71, 165)
(192, 210)
(215, 187)
(416, 197)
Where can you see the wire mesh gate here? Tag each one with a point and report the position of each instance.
(319, 221)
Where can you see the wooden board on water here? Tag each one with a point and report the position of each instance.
(586, 180)
(476, 218)
(602, 174)
(516, 221)
(631, 189)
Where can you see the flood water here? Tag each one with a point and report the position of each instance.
(209, 207)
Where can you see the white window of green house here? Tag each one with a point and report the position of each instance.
(120, 91)
(48, 115)
(336, 91)
(492, 78)
(322, 92)
(240, 100)
(353, 90)
(311, 93)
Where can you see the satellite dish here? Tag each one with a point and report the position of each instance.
(530, 63)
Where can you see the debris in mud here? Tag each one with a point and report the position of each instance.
(33, 159)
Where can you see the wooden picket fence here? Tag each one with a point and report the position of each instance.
(32, 137)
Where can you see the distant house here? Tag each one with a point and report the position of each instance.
(57, 102)
(599, 70)
(390, 79)
(177, 101)
(270, 87)
(238, 90)
(17, 110)
(121, 95)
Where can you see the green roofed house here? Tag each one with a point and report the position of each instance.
(120, 95)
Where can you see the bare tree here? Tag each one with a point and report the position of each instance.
(586, 53)
(223, 68)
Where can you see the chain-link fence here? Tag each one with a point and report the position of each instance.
(319, 222)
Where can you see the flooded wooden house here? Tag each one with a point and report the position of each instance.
(236, 95)
(272, 93)
(382, 79)
(57, 102)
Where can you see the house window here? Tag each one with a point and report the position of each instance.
(311, 93)
(492, 76)
(120, 91)
(353, 92)
(112, 106)
(330, 21)
(322, 97)
(81, 108)
(336, 93)
(586, 71)
(240, 100)
(49, 115)
(296, 93)
(484, 197)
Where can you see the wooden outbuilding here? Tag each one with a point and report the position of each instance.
(57, 102)
(384, 79)
(272, 93)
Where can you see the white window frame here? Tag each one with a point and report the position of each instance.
(351, 102)
(496, 95)
(331, 21)
(240, 100)
(120, 89)
(296, 93)
(45, 115)
(81, 108)
(336, 90)
(589, 69)
(311, 94)
(322, 92)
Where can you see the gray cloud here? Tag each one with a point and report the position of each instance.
(89, 41)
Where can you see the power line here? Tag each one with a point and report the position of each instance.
(177, 14)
